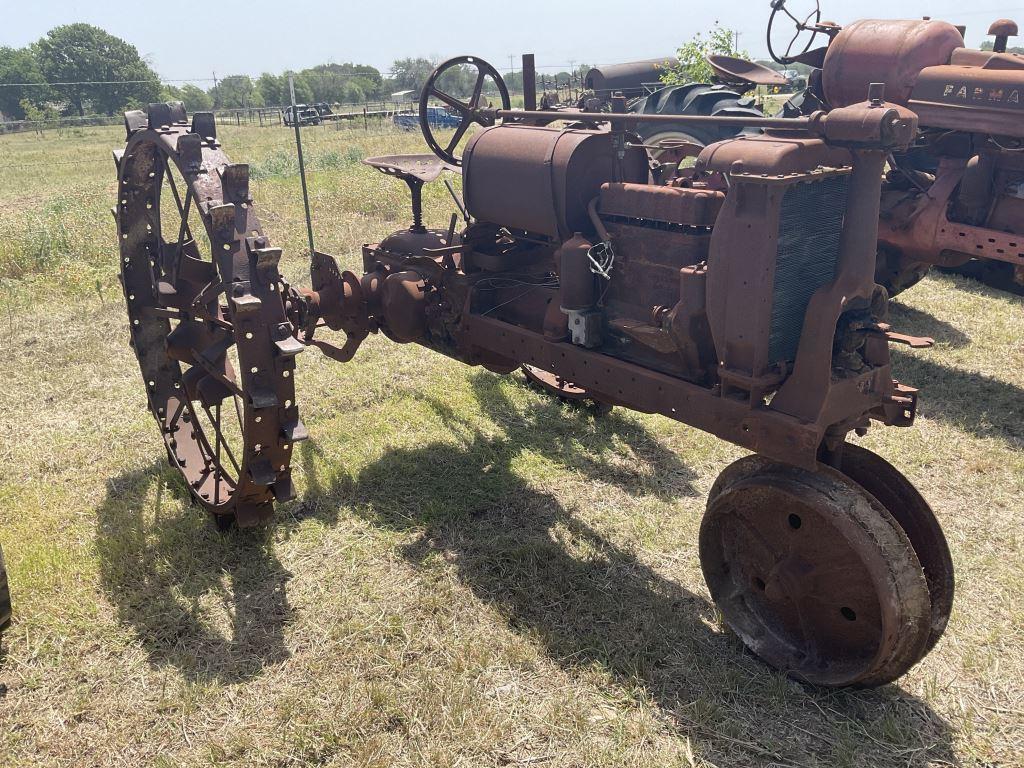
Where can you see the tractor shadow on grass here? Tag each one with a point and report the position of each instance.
(592, 603)
(973, 402)
(214, 606)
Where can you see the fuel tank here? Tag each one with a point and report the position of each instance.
(540, 179)
(627, 78)
(890, 52)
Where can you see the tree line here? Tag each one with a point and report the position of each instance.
(80, 69)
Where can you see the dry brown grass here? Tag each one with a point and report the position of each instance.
(473, 575)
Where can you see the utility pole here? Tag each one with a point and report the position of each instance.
(736, 41)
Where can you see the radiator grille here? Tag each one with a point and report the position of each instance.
(810, 226)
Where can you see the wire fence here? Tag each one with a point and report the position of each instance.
(319, 138)
(272, 115)
(263, 117)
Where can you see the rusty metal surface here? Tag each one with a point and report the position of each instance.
(730, 69)
(188, 309)
(562, 389)
(549, 176)
(956, 197)
(739, 299)
(814, 575)
(905, 503)
(468, 111)
(628, 78)
(670, 205)
(920, 230)
(890, 52)
(970, 99)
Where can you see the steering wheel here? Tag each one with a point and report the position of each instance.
(469, 111)
(803, 22)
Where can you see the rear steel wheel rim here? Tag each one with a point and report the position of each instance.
(813, 574)
(194, 309)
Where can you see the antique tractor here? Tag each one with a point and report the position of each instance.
(956, 195)
(738, 299)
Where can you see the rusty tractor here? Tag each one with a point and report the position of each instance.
(738, 298)
(955, 197)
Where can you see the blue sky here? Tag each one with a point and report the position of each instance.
(190, 39)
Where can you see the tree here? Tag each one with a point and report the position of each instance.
(195, 98)
(19, 65)
(274, 91)
(104, 72)
(691, 65)
(271, 89)
(236, 92)
(411, 74)
(40, 115)
(988, 45)
(340, 83)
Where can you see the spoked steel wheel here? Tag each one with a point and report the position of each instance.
(814, 575)
(206, 307)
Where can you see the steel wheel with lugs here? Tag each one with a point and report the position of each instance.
(207, 313)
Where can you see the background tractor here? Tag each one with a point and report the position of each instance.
(955, 197)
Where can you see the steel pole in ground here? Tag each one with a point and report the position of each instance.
(302, 164)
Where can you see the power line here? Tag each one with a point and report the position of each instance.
(216, 80)
(106, 82)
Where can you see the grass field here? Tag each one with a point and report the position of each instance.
(473, 575)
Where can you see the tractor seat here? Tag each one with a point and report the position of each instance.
(729, 69)
(415, 168)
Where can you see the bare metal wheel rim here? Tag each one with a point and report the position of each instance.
(814, 575)
(914, 515)
(206, 309)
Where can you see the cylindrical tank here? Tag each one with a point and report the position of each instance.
(579, 291)
(541, 179)
(890, 52)
(628, 77)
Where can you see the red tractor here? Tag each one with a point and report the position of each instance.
(955, 197)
